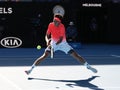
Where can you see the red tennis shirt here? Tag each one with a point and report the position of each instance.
(56, 32)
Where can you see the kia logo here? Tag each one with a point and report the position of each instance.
(11, 42)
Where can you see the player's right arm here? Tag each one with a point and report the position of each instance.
(48, 39)
(48, 35)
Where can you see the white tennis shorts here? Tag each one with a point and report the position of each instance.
(63, 46)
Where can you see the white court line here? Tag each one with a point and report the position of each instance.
(115, 88)
(116, 56)
(10, 82)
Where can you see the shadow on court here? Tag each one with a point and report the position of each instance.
(80, 83)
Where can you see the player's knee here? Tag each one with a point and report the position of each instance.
(46, 53)
(71, 51)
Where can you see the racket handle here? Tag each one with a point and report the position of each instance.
(52, 53)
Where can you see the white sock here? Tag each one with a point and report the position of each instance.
(86, 64)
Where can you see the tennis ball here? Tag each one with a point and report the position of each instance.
(38, 47)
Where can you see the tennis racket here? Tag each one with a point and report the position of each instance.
(52, 52)
(51, 49)
(58, 10)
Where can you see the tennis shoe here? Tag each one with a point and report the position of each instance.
(92, 69)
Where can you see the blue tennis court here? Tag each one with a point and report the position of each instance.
(62, 72)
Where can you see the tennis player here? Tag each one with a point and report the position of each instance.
(55, 37)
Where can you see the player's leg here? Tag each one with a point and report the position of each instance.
(74, 54)
(38, 61)
(41, 58)
(65, 47)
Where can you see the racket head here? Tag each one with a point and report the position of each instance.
(58, 10)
